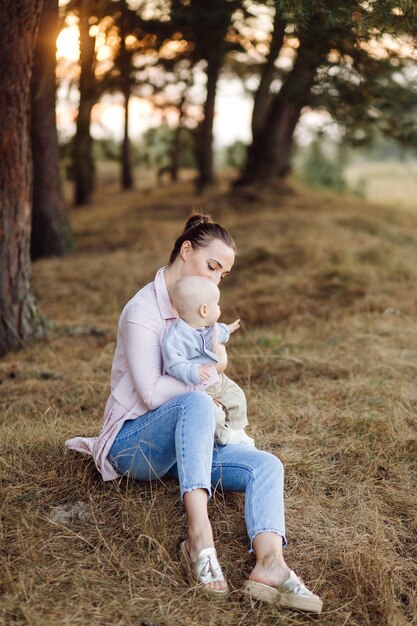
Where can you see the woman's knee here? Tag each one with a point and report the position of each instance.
(201, 407)
(270, 465)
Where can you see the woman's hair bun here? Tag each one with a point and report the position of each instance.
(199, 231)
(196, 219)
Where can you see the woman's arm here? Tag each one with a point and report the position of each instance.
(144, 359)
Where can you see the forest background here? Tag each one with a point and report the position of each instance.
(324, 283)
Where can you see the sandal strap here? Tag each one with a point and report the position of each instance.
(207, 568)
(295, 585)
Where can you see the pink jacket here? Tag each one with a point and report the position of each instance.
(138, 382)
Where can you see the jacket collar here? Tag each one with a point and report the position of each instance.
(162, 296)
(185, 327)
(190, 330)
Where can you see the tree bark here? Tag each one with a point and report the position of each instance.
(205, 134)
(127, 176)
(269, 154)
(20, 320)
(83, 162)
(125, 65)
(50, 228)
(263, 96)
(176, 143)
(176, 153)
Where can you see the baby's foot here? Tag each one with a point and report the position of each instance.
(239, 436)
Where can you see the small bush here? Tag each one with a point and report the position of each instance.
(322, 170)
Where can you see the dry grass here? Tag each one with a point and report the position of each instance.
(385, 182)
(328, 357)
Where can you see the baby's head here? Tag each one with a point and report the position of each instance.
(196, 300)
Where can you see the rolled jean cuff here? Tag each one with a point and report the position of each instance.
(268, 530)
(186, 488)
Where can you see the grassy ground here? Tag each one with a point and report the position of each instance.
(327, 355)
(385, 182)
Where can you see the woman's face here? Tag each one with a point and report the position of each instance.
(214, 261)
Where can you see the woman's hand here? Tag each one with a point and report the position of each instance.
(220, 351)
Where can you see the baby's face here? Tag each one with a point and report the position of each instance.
(213, 311)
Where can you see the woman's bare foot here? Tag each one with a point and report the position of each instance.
(198, 539)
(280, 585)
(200, 535)
(270, 570)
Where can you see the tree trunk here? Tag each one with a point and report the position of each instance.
(269, 154)
(263, 97)
(176, 152)
(125, 65)
(83, 162)
(176, 144)
(20, 320)
(205, 135)
(50, 228)
(127, 177)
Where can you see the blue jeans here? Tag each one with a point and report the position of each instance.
(178, 439)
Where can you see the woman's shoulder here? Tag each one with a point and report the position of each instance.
(142, 305)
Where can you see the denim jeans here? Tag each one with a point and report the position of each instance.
(178, 439)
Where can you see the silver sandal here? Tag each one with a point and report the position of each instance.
(293, 594)
(205, 569)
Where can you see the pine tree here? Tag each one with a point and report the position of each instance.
(19, 316)
(337, 69)
(83, 168)
(207, 26)
(51, 234)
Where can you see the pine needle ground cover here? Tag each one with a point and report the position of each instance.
(327, 355)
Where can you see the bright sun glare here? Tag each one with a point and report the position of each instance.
(67, 43)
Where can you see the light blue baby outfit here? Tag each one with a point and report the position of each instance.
(186, 348)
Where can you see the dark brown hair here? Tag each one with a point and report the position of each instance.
(199, 230)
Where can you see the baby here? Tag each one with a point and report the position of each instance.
(188, 354)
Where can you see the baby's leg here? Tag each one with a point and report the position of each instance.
(233, 399)
(226, 435)
(231, 415)
(222, 432)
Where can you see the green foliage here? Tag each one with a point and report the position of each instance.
(233, 155)
(103, 150)
(153, 151)
(323, 170)
(345, 61)
(365, 80)
(156, 147)
(208, 25)
(106, 150)
(354, 60)
(381, 148)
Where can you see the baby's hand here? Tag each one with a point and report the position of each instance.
(234, 326)
(204, 373)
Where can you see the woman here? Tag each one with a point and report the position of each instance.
(156, 425)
